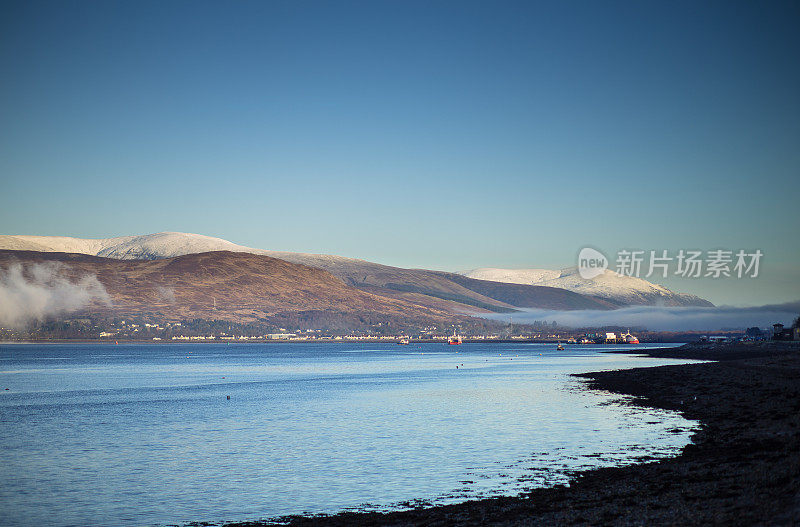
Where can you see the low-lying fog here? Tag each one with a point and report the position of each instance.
(656, 318)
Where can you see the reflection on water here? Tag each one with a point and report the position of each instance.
(145, 434)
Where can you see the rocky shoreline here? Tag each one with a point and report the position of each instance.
(742, 467)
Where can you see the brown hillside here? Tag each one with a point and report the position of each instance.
(222, 285)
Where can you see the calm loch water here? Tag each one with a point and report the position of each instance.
(96, 434)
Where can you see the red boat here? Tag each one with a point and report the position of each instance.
(455, 339)
(630, 339)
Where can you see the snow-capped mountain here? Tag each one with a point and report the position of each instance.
(146, 247)
(612, 286)
(153, 247)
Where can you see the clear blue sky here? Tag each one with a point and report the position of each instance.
(446, 135)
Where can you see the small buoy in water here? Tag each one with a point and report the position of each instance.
(229, 397)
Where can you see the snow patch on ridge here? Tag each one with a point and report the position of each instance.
(609, 285)
(155, 247)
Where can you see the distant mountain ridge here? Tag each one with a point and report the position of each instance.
(611, 286)
(224, 285)
(143, 247)
(467, 294)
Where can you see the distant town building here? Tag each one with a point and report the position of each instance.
(779, 333)
(277, 336)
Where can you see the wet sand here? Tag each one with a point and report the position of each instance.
(742, 467)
